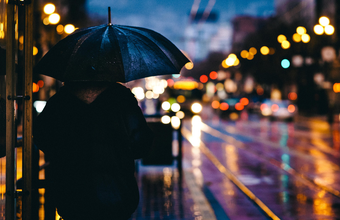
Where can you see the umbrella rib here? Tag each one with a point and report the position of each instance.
(152, 41)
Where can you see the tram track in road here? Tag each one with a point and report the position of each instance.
(273, 162)
(232, 177)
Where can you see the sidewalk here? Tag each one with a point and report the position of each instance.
(163, 195)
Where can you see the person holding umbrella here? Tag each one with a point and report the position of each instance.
(92, 129)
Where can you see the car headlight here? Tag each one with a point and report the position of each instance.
(196, 107)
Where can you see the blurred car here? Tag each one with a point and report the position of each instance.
(278, 109)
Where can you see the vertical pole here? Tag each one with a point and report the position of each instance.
(180, 150)
(10, 117)
(27, 115)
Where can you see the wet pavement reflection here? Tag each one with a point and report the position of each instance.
(249, 169)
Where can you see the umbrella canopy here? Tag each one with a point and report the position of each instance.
(113, 53)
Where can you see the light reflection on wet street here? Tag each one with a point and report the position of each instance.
(292, 167)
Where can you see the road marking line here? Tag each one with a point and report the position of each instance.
(281, 165)
(186, 133)
(198, 197)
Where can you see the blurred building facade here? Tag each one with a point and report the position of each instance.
(204, 34)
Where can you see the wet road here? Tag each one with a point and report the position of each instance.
(255, 168)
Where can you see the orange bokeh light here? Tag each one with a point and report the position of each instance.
(215, 104)
(239, 106)
(244, 101)
(35, 87)
(40, 83)
(292, 96)
(275, 107)
(213, 75)
(260, 91)
(291, 108)
(203, 79)
(224, 106)
(336, 87)
(170, 82)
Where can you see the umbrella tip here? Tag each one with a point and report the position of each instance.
(109, 15)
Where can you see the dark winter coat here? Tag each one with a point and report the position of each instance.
(91, 149)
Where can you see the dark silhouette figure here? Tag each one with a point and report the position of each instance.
(91, 133)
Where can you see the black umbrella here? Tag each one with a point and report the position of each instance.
(111, 53)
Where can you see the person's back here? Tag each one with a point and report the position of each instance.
(91, 144)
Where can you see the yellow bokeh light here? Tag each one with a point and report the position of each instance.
(281, 38)
(46, 21)
(318, 29)
(224, 64)
(301, 30)
(285, 44)
(296, 37)
(49, 8)
(271, 51)
(54, 18)
(324, 21)
(232, 56)
(230, 61)
(69, 28)
(60, 28)
(264, 50)
(35, 51)
(329, 30)
(237, 62)
(189, 65)
(244, 54)
(305, 38)
(253, 50)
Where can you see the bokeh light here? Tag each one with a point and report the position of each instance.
(49, 8)
(292, 96)
(180, 114)
(69, 28)
(215, 104)
(305, 38)
(291, 108)
(166, 106)
(189, 65)
(296, 37)
(244, 101)
(213, 75)
(180, 99)
(301, 30)
(175, 107)
(275, 107)
(60, 29)
(165, 119)
(244, 54)
(253, 50)
(281, 38)
(324, 21)
(264, 50)
(239, 106)
(285, 44)
(224, 106)
(329, 30)
(203, 79)
(318, 29)
(35, 50)
(54, 18)
(196, 107)
(285, 63)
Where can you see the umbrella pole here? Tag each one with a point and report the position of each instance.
(10, 117)
(109, 15)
